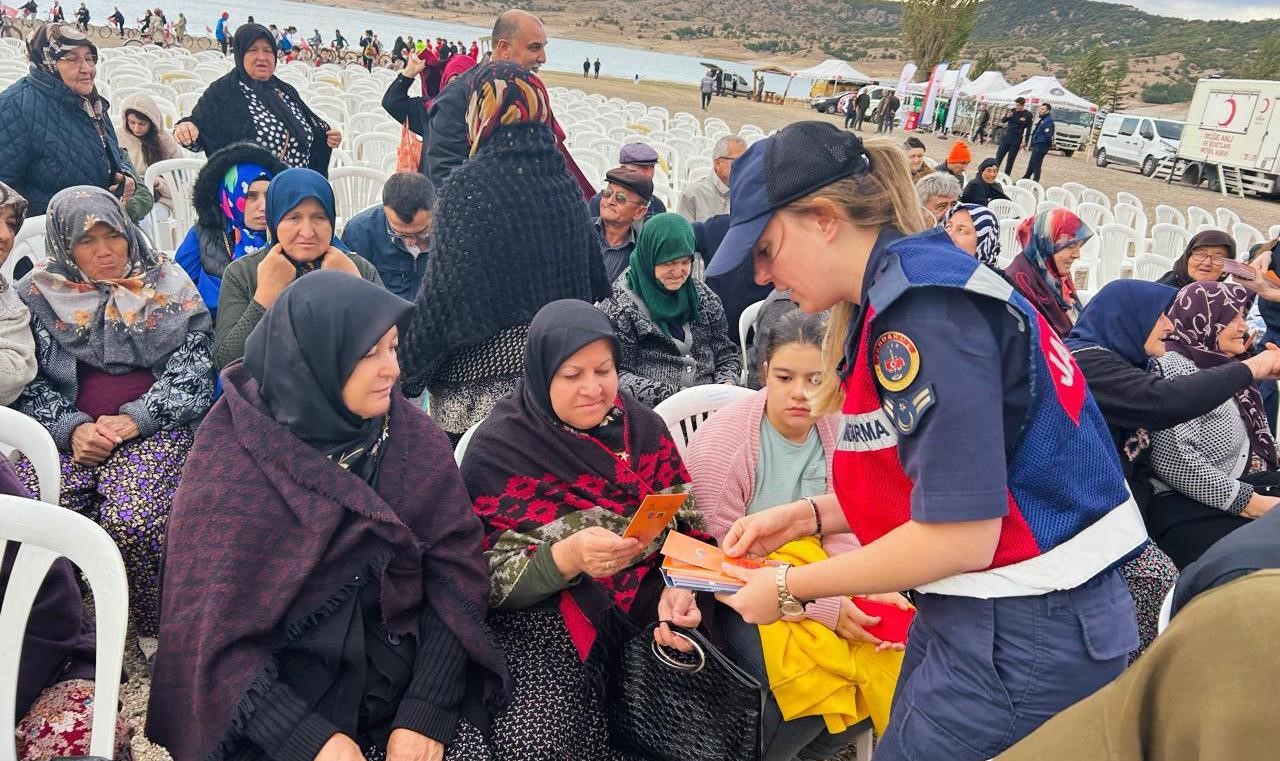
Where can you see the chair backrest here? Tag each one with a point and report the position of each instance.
(747, 324)
(460, 450)
(1227, 218)
(1125, 213)
(1150, 266)
(1035, 188)
(1009, 238)
(1006, 209)
(355, 187)
(180, 175)
(376, 150)
(1062, 197)
(1169, 239)
(1169, 215)
(1074, 188)
(1198, 217)
(1094, 215)
(1129, 198)
(24, 434)
(29, 244)
(1023, 197)
(685, 410)
(1119, 242)
(1246, 235)
(46, 533)
(1048, 206)
(1089, 195)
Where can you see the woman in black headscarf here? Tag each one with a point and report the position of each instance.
(251, 103)
(325, 587)
(1202, 261)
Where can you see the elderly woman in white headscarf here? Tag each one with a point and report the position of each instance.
(17, 347)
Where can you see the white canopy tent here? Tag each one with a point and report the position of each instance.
(1037, 90)
(987, 82)
(831, 72)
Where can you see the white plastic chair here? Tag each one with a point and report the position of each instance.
(1169, 239)
(180, 176)
(356, 187)
(1227, 218)
(1062, 197)
(1035, 188)
(1129, 198)
(1006, 209)
(1094, 215)
(1119, 242)
(747, 324)
(1023, 197)
(1089, 195)
(460, 450)
(1274, 232)
(1009, 238)
(1074, 188)
(1166, 612)
(685, 410)
(1048, 206)
(375, 150)
(23, 434)
(1198, 217)
(1166, 214)
(29, 244)
(46, 533)
(1246, 235)
(1150, 266)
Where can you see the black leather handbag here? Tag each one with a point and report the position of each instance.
(673, 706)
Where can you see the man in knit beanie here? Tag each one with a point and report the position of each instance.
(958, 160)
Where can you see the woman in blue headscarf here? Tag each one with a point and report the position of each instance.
(230, 198)
(300, 234)
(1124, 327)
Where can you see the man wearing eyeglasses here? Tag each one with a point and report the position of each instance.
(396, 236)
(708, 196)
(644, 159)
(623, 205)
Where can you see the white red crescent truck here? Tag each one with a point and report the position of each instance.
(1232, 137)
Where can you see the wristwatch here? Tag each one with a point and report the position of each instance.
(787, 602)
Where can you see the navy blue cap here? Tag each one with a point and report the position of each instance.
(792, 163)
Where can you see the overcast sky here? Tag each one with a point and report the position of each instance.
(1238, 10)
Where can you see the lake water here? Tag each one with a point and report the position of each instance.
(562, 54)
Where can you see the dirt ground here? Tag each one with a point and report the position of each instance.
(1057, 168)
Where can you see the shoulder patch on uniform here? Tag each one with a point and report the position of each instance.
(906, 410)
(897, 361)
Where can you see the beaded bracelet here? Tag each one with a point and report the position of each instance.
(817, 518)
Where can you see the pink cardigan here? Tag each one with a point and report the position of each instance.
(722, 460)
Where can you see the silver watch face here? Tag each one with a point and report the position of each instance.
(791, 608)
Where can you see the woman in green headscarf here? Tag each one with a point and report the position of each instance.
(671, 327)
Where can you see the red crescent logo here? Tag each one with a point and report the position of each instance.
(1266, 105)
(1232, 102)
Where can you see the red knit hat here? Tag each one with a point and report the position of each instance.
(959, 153)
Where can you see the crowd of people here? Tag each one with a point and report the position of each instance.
(312, 577)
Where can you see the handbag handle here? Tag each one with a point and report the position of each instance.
(693, 638)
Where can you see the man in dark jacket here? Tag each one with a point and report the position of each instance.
(48, 140)
(396, 236)
(1017, 124)
(860, 108)
(1041, 142)
(888, 112)
(517, 36)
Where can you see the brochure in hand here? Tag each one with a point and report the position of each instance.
(695, 565)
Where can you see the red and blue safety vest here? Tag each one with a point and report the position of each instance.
(1070, 513)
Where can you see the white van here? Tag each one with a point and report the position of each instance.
(1140, 141)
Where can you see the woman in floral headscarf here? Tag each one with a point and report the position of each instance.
(122, 342)
(230, 199)
(1051, 242)
(1215, 473)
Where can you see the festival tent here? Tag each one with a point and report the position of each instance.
(830, 73)
(1039, 90)
(987, 82)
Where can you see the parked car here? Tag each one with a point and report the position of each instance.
(829, 104)
(1140, 141)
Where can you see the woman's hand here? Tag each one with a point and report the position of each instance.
(680, 607)
(595, 551)
(413, 67)
(767, 530)
(275, 273)
(407, 745)
(91, 443)
(1265, 365)
(757, 601)
(342, 748)
(339, 262)
(852, 623)
(187, 134)
(1258, 504)
(333, 138)
(122, 425)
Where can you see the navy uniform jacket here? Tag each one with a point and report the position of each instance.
(1042, 135)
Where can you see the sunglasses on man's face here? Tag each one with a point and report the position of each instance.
(619, 197)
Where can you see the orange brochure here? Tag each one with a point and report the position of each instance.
(654, 515)
(686, 549)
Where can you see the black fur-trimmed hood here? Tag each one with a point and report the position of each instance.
(205, 194)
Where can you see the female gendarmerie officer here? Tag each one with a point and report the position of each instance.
(973, 465)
